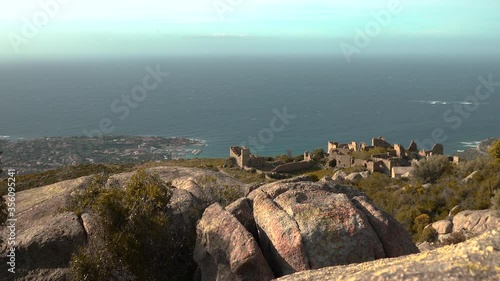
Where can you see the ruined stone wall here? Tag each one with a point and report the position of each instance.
(398, 172)
(343, 161)
(353, 146)
(360, 163)
(294, 167)
(332, 146)
(380, 142)
(400, 151)
(256, 162)
(383, 165)
(307, 156)
(413, 147)
(245, 159)
(235, 152)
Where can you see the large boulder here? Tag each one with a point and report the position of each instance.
(462, 226)
(242, 210)
(190, 185)
(354, 177)
(183, 208)
(182, 176)
(443, 226)
(476, 222)
(476, 259)
(280, 237)
(50, 242)
(339, 176)
(225, 250)
(205, 185)
(47, 235)
(306, 225)
(391, 233)
(333, 230)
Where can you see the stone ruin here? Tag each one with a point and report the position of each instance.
(307, 156)
(245, 159)
(335, 145)
(437, 149)
(380, 142)
(397, 156)
(413, 147)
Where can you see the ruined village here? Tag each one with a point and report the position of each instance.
(390, 159)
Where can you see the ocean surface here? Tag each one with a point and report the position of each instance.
(228, 101)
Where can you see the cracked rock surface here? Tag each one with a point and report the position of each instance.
(475, 259)
(304, 225)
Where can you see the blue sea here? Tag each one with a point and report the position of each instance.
(228, 101)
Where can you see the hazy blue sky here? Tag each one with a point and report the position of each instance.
(92, 27)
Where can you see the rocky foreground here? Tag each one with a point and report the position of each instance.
(475, 259)
(294, 229)
(299, 226)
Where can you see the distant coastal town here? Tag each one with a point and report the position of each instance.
(28, 156)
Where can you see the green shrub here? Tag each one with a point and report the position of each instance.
(137, 239)
(495, 201)
(230, 162)
(428, 235)
(495, 150)
(314, 178)
(464, 169)
(318, 154)
(409, 201)
(421, 222)
(431, 169)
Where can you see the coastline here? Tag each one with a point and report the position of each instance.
(40, 154)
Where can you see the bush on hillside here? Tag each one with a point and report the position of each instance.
(421, 222)
(431, 169)
(137, 239)
(412, 204)
(318, 153)
(477, 164)
(495, 150)
(230, 162)
(495, 200)
(428, 235)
